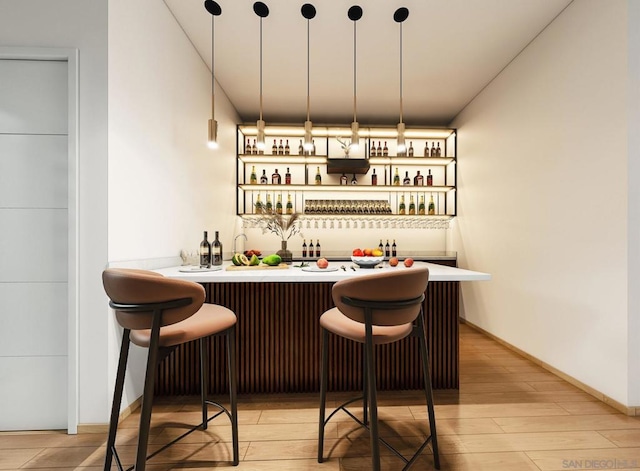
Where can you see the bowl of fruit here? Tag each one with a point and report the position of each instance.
(367, 258)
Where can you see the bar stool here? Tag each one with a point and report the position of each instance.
(377, 309)
(160, 313)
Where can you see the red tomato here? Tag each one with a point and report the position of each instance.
(357, 253)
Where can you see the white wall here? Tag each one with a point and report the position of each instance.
(80, 24)
(543, 198)
(165, 185)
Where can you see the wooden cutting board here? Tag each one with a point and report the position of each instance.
(258, 267)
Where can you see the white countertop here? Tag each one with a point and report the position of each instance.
(297, 275)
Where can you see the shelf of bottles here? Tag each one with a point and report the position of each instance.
(418, 185)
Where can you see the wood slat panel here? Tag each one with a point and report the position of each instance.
(278, 339)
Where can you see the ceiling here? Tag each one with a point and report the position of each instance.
(451, 50)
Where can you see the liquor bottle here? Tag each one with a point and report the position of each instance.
(412, 205)
(429, 179)
(418, 180)
(311, 253)
(432, 206)
(354, 180)
(374, 178)
(410, 149)
(254, 148)
(317, 247)
(300, 148)
(259, 206)
(263, 178)
(216, 251)
(421, 210)
(287, 149)
(426, 149)
(318, 176)
(396, 178)
(343, 179)
(402, 209)
(289, 204)
(269, 206)
(313, 147)
(386, 249)
(380, 246)
(379, 149)
(274, 148)
(406, 180)
(279, 204)
(438, 151)
(304, 247)
(287, 177)
(385, 150)
(394, 252)
(433, 149)
(253, 179)
(280, 148)
(374, 151)
(205, 252)
(247, 149)
(275, 178)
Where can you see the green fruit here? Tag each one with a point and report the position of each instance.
(239, 259)
(272, 260)
(254, 260)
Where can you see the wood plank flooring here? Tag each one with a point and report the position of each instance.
(508, 415)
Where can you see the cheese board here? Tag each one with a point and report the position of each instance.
(262, 266)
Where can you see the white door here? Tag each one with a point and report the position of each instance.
(33, 244)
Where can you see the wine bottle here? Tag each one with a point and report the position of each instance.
(254, 148)
(247, 149)
(418, 180)
(300, 148)
(253, 179)
(304, 248)
(280, 148)
(402, 208)
(406, 180)
(426, 149)
(313, 147)
(412, 205)
(287, 149)
(205, 252)
(275, 178)
(429, 179)
(274, 148)
(216, 251)
(263, 178)
(394, 252)
(432, 206)
(311, 253)
(410, 149)
(374, 151)
(438, 151)
(421, 209)
(279, 204)
(287, 177)
(433, 149)
(374, 178)
(396, 178)
(318, 248)
(289, 204)
(318, 176)
(379, 149)
(259, 206)
(269, 205)
(343, 179)
(386, 249)
(354, 180)
(385, 150)
(380, 246)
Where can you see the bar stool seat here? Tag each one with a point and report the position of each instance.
(337, 323)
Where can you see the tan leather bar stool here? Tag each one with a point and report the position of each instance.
(160, 313)
(374, 310)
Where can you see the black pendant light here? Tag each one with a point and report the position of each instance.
(399, 16)
(262, 11)
(215, 10)
(308, 12)
(354, 14)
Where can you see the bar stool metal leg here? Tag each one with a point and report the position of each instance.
(323, 392)
(233, 391)
(204, 381)
(365, 389)
(428, 389)
(373, 400)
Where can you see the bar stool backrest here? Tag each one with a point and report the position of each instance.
(380, 288)
(135, 287)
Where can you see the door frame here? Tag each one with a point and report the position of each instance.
(70, 56)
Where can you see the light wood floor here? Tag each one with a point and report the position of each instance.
(509, 414)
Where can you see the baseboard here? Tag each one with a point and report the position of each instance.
(631, 411)
(104, 428)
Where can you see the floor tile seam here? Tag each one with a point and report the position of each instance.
(615, 444)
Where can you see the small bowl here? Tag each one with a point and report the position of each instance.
(367, 262)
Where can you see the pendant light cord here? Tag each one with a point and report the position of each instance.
(354, 71)
(260, 68)
(308, 70)
(400, 72)
(213, 61)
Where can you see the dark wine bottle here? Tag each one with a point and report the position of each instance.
(287, 149)
(311, 253)
(263, 178)
(380, 246)
(287, 177)
(216, 251)
(300, 148)
(394, 252)
(387, 249)
(274, 148)
(406, 180)
(205, 252)
(275, 178)
(374, 178)
(410, 149)
(317, 247)
(304, 248)
(418, 180)
(280, 148)
(429, 179)
(385, 150)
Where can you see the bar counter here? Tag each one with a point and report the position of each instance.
(278, 333)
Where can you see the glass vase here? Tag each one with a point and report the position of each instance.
(285, 254)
